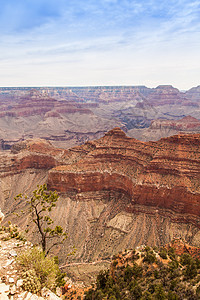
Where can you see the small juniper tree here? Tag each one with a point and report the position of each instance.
(39, 207)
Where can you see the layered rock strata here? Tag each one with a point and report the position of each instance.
(187, 123)
(194, 94)
(163, 175)
(32, 154)
(115, 192)
(167, 94)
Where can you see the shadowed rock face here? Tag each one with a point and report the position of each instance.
(163, 174)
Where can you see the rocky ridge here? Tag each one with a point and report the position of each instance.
(194, 94)
(149, 273)
(115, 193)
(184, 124)
(168, 95)
(163, 174)
(38, 115)
(180, 247)
(73, 115)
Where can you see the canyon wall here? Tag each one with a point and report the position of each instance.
(70, 116)
(114, 193)
(184, 124)
(163, 174)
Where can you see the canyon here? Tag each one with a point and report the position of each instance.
(162, 174)
(70, 116)
(115, 193)
(124, 160)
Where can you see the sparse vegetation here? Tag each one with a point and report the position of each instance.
(149, 276)
(35, 266)
(39, 207)
(38, 270)
(31, 282)
(12, 232)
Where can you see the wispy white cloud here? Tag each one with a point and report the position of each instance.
(53, 40)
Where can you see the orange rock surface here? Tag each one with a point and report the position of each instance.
(163, 174)
(181, 247)
(32, 154)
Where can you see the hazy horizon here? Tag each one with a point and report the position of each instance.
(90, 86)
(100, 43)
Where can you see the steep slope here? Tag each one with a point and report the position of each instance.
(163, 174)
(115, 192)
(194, 94)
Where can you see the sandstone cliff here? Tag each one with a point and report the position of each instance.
(115, 192)
(163, 174)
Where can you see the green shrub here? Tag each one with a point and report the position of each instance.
(136, 292)
(128, 274)
(13, 232)
(171, 253)
(198, 291)
(197, 262)
(102, 278)
(31, 282)
(156, 274)
(172, 296)
(45, 268)
(150, 257)
(163, 253)
(147, 296)
(190, 271)
(159, 293)
(173, 265)
(112, 297)
(114, 263)
(185, 259)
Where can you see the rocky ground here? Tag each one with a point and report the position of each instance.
(11, 285)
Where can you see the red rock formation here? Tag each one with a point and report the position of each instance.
(181, 247)
(187, 123)
(37, 104)
(168, 95)
(163, 174)
(33, 154)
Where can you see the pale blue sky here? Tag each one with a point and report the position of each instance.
(104, 42)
